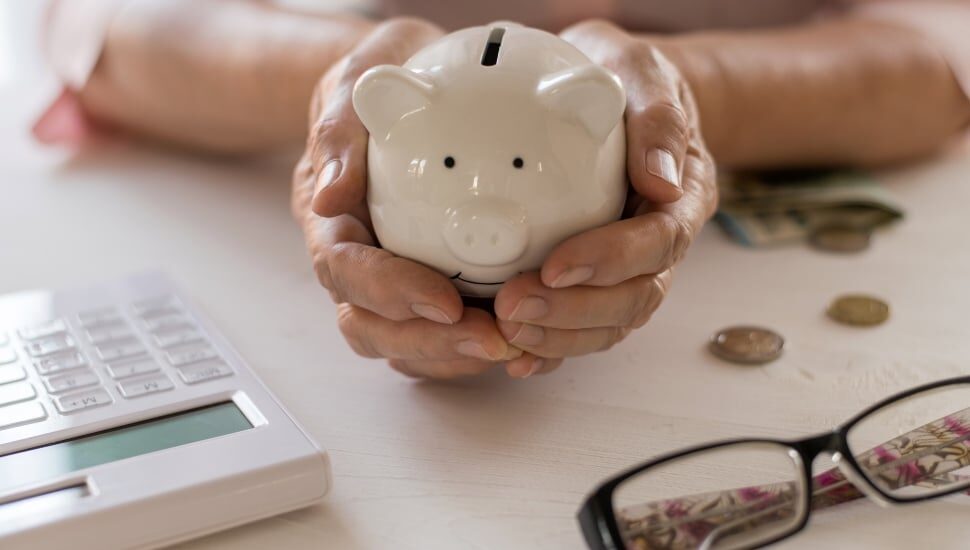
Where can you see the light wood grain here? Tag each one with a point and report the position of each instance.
(495, 463)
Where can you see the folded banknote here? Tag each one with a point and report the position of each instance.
(783, 208)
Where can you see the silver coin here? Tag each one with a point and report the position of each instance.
(842, 239)
(747, 345)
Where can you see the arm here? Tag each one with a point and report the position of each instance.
(853, 91)
(224, 76)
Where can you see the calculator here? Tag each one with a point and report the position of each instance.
(128, 421)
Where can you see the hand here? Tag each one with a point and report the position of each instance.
(387, 306)
(597, 286)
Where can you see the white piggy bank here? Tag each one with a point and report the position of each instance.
(488, 148)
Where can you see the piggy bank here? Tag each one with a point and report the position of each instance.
(488, 148)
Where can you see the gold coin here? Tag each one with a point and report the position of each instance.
(841, 239)
(747, 345)
(859, 310)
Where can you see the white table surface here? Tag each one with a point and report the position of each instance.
(494, 462)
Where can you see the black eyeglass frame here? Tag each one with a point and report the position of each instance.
(598, 520)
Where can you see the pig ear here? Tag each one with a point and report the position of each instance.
(385, 93)
(590, 95)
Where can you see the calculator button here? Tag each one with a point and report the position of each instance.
(59, 363)
(68, 404)
(49, 346)
(24, 413)
(99, 317)
(114, 352)
(178, 338)
(12, 373)
(7, 355)
(71, 381)
(102, 335)
(187, 357)
(136, 388)
(125, 370)
(15, 393)
(155, 306)
(194, 374)
(166, 322)
(43, 330)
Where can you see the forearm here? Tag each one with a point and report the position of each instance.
(845, 92)
(217, 75)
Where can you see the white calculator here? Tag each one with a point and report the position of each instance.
(128, 421)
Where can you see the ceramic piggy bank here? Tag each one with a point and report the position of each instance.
(488, 148)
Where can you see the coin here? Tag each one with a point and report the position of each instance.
(747, 345)
(859, 310)
(843, 239)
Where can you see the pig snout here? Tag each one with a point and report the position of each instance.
(487, 232)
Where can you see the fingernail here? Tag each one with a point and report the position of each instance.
(471, 348)
(530, 307)
(528, 335)
(511, 353)
(661, 163)
(573, 276)
(536, 367)
(518, 370)
(432, 313)
(329, 174)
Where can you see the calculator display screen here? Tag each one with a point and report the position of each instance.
(42, 463)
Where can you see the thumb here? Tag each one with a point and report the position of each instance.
(338, 151)
(658, 137)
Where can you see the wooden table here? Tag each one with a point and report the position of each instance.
(494, 462)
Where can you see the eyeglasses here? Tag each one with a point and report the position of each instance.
(746, 493)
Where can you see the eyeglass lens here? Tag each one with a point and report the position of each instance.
(733, 496)
(918, 446)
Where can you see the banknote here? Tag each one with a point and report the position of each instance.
(784, 208)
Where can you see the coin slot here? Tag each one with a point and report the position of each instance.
(492, 46)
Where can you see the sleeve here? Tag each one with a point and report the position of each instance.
(73, 37)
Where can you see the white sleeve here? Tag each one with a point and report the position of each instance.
(74, 34)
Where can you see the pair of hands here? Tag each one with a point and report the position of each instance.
(592, 290)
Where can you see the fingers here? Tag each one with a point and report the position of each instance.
(658, 127)
(441, 370)
(556, 343)
(653, 240)
(337, 140)
(521, 367)
(658, 124)
(372, 278)
(338, 146)
(642, 245)
(529, 364)
(700, 198)
(657, 138)
(627, 304)
(474, 337)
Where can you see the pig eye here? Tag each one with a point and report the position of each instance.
(449, 162)
(518, 162)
